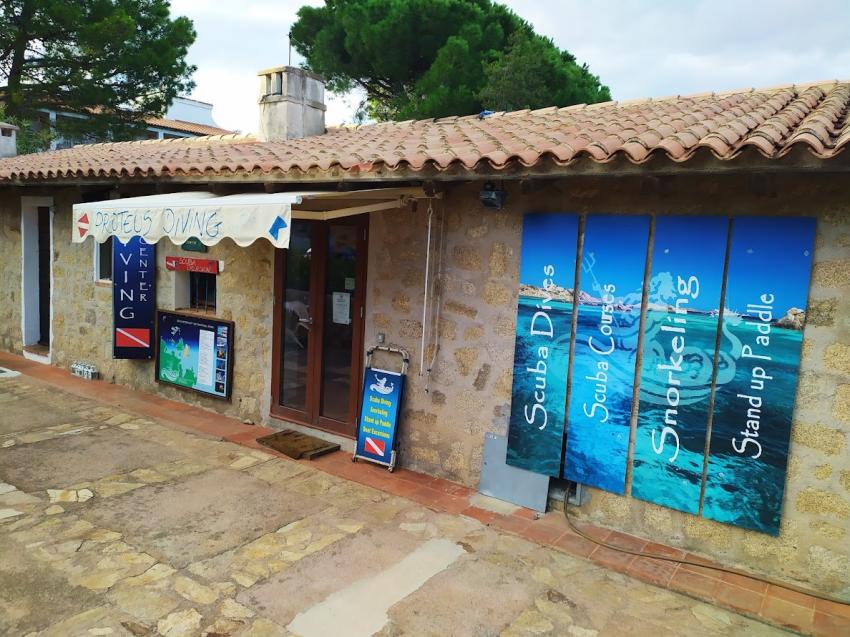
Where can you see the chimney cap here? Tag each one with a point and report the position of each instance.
(294, 70)
(7, 126)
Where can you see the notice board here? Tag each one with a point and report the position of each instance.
(195, 352)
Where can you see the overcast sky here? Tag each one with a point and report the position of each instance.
(640, 48)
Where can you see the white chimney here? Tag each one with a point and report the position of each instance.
(292, 104)
(8, 140)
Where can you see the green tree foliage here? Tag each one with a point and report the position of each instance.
(435, 58)
(534, 73)
(119, 61)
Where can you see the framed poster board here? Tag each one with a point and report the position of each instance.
(195, 352)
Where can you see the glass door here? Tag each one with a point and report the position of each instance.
(296, 311)
(320, 294)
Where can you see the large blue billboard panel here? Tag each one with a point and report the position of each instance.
(542, 349)
(770, 262)
(680, 336)
(607, 333)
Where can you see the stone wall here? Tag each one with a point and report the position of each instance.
(10, 273)
(469, 388)
(82, 322)
(469, 392)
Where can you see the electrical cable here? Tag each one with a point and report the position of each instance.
(437, 299)
(716, 567)
(427, 288)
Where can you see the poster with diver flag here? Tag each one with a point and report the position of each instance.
(603, 368)
(378, 424)
(770, 262)
(680, 336)
(543, 330)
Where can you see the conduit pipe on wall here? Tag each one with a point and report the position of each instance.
(431, 301)
(427, 287)
(437, 299)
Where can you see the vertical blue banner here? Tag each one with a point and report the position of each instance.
(767, 287)
(680, 335)
(133, 298)
(611, 286)
(541, 355)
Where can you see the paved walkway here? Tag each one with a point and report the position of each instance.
(116, 524)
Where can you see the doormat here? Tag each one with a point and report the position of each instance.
(297, 445)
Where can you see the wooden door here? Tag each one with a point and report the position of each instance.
(320, 290)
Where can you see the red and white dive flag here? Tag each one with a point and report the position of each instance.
(132, 337)
(376, 446)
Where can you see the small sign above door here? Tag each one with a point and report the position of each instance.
(190, 264)
(193, 244)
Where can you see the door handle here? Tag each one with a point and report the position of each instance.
(307, 321)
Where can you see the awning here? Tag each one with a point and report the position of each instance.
(244, 218)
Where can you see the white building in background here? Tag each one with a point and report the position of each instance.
(185, 118)
(8, 140)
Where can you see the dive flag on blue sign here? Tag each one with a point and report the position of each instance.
(378, 425)
(133, 298)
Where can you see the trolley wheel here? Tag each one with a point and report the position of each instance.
(353, 458)
(390, 468)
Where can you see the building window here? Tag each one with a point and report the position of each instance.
(103, 260)
(202, 291)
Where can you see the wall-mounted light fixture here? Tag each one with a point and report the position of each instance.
(492, 196)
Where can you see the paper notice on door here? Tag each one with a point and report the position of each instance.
(342, 308)
(349, 284)
(206, 355)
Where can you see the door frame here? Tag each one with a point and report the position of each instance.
(315, 348)
(30, 310)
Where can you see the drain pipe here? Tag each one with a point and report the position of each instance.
(427, 288)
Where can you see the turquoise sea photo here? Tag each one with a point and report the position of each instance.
(767, 287)
(607, 332)
(680, 334)
(541, 353)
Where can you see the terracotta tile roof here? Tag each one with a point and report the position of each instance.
(186, 127)
(770, 121)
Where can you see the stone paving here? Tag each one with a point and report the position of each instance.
(113, 524)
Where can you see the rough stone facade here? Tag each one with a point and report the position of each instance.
(470, 337)
(470, 383)
(82, 321)
(10, 273)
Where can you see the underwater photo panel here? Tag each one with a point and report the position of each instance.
(680, 334)
(603, 373)
(770, 263)
(541, 354)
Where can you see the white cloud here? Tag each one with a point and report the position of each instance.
(640, 48)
